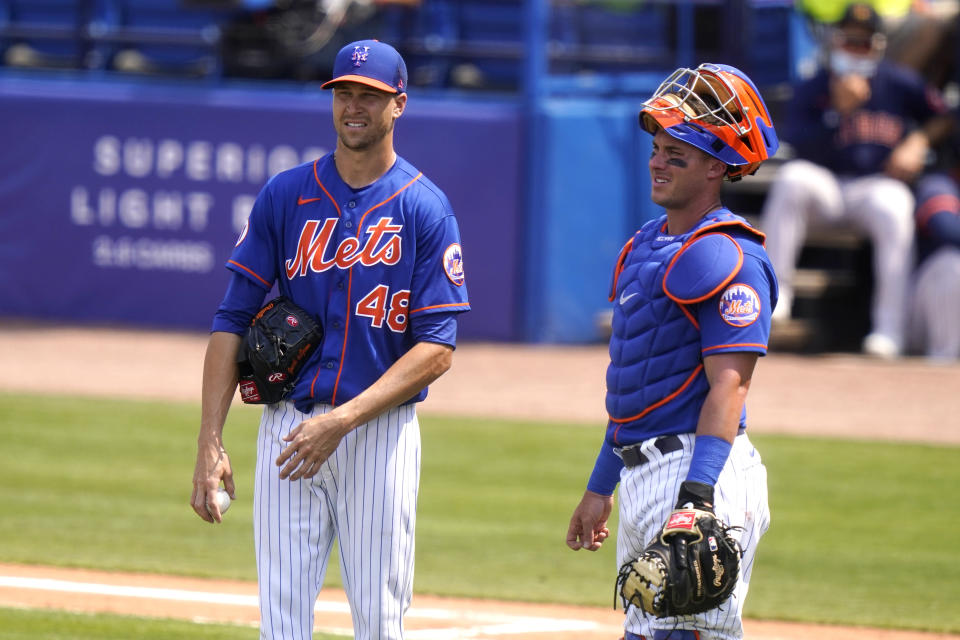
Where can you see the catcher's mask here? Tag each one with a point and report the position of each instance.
(717, 109)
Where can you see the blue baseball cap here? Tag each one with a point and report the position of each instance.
(370, 62)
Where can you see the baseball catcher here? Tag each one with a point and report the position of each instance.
(691, 567)
(281, 338)
(692, 292)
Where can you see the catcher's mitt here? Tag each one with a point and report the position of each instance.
(691, 567)
(280, 339)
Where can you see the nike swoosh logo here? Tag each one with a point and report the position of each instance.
(302, 200)
(623, 298)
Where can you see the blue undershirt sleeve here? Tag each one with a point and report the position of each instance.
(242, 300)
(606, 471)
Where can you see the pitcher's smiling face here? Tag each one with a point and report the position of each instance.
(364, 116)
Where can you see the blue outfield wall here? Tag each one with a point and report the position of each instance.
(120, 202)
(595, 194)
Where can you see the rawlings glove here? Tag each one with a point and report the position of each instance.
(691, 567)
(280, 339)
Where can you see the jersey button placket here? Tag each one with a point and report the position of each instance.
(345, 216)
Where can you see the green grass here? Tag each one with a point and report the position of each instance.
(862, 532)
(22, 624)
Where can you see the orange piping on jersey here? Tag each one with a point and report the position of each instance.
(346, 333)
(618, 268)
(317, 178)
(720, 286)
(733, 223)
(441, 306)
(659, 403)
(233, 262)
(380, 204)
(686, 312)
(936, 204)
(346, 323)
(728, 346)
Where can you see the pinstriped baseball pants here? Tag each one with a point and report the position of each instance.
(365, 497)
(648, 494)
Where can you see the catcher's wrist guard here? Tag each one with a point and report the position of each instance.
(280, 340)
(692, 566)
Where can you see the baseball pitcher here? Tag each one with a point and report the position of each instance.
(365, 247)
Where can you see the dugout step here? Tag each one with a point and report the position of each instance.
(815, 283)
(797, 335)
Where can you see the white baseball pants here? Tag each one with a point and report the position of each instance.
(805, 193)
(648, 494)
(365, 497)
(935, 312)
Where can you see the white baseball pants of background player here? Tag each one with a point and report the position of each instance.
(647, 496)
(365, 497)
(805, 193)
(935, 312)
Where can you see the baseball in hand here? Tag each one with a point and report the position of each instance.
(223, 500)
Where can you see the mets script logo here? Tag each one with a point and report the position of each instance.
(453, 264)
(739, 305)
(360, 55)
(316, 251)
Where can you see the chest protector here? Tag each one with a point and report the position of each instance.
(655, 381)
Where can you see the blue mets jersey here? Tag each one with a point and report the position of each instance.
(677, 299)
(361, 261)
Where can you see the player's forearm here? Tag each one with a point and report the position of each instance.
(416, 369)
(729, 375)
(720, 415)
(219, 384)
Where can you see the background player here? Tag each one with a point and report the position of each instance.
(861, 129)
(693, 292)
(935, 309)
(366, 244)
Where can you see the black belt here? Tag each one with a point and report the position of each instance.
(666, 444)
(632, 457)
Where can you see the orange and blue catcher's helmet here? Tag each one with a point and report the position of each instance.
(717, 109)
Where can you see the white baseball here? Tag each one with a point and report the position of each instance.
(223, 500)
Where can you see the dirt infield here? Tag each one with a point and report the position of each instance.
(848, 396)
(429, 618)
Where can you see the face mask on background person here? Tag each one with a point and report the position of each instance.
(843, 63)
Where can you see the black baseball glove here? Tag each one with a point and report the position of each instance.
(280, 339)
(691, 567)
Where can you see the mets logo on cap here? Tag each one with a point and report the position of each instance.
(360, 55)
(739, 305)
(453, 264)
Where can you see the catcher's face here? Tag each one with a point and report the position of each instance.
(363, 117)
(678, 172)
